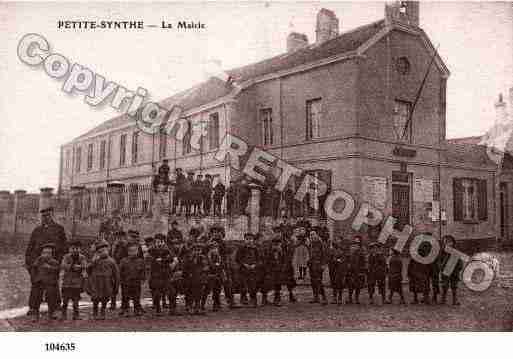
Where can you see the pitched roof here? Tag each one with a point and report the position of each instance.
(468, 153)
(214, 88)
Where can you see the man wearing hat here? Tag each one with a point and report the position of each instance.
(219, 192)
(47, 232)
(197, 195)
(207, 194)
(231, 198)
(178, 198)
(377, 271)
(174, 233)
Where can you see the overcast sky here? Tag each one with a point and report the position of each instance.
(476, 42)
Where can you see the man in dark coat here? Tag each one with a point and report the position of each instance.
(231, 199)
(243, 194)
(178, 198)
(219, 191)
(377, 272)
(188, 193)
(197, 195)
(318, 253)
(48, 232)
(356, 270)
(207, 194)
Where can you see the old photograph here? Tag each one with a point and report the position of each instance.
(256, 167)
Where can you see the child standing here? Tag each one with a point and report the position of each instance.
(160, 260)
(45, 274)
(340, 259)
(132, 272)
(103, 279)
(74, 265)
(395, 276)
(195, 274)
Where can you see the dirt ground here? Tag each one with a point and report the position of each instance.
(491, 310)
(488, 311)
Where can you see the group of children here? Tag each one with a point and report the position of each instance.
(205, 265)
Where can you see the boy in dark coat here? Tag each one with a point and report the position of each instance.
(175, 284)
(132, 273)
(274, 262)
(45, 281)
(356, 270)
(340, 266)
(219, 191)
(74, 266)
(318, 259)
(160, 260)
(377, 272)
(450, 281)
(216, 277)
(395, 276)
(248, 258)
(195, 274)
(418, 274)
(103, 279)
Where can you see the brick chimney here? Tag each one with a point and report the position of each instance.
(296, 41)
(406, 12)
(327, 26)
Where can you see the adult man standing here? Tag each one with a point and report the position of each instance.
(207, 194)
(219, 191)
(179, 197)
(48, 232)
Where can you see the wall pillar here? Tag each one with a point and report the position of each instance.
(4, 209)
(19, 196)
(45, 198)
(254, 208)
(114, 193)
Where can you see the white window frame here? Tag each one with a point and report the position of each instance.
(313, 119)
(266, 120)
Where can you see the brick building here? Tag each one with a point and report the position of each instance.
(337, 107)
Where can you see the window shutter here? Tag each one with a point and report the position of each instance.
(457, 194)
(482, 200)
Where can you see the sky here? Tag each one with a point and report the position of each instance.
(475, 41)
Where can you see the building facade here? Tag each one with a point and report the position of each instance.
(347, 108)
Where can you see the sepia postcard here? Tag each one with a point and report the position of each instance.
(255, 167)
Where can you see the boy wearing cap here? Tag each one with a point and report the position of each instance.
(45, 281)
(395, 276)
(74, 266)
(132, 273)
(377, 271)
(195, 274)
(160, 260)
(356, 270)
(318, 258)
(103, 279)
(248, 258)
(340, 266)
(219, 192)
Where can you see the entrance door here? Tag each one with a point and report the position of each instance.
(504, 211)
(401, 203)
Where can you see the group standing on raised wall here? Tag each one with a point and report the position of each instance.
(202, 264)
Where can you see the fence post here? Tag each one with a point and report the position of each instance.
(45, 198)
(19, 195)
(76, 194)
(254, 208)
(4, 206)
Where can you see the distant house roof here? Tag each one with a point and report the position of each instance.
(468, 153)
(214, 88)
(472, 140)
